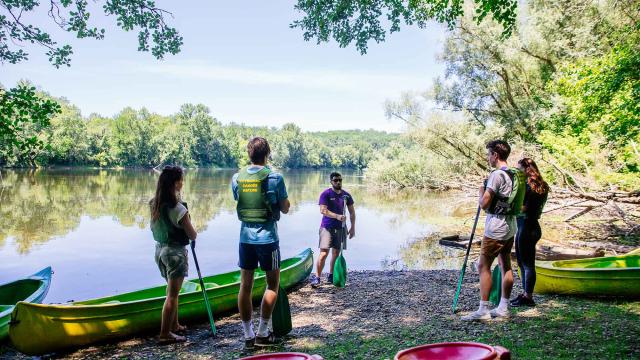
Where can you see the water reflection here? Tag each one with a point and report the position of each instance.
(38, 206)
(92, 225)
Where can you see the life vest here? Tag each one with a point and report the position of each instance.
(253, 205)
(512, 204)
(166, 233)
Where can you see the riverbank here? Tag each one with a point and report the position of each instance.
(382, 312)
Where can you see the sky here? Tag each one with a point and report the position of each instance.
(243, 61)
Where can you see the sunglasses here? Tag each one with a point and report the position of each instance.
(336, 180)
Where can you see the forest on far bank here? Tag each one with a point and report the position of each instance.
(192, 137)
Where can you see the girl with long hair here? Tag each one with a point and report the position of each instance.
(529, 232)
(172, 230)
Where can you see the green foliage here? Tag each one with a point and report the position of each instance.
(444, 152)
(67, 136)
(23, 113)
(20, 110)
(605, 91)
(594, 127)
(191, 138)
(565, 87)
(74, 16)
(359, 21)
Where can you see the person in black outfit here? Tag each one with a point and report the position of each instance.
(529, 231)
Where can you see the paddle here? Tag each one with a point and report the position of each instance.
(340, 267)
(281, 316)
(496, 286)
(464, 264)
(204, 290)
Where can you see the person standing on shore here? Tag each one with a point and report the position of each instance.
(501, 197)
(261, 195)
(331, 234)
(529, 232)
(172, 229)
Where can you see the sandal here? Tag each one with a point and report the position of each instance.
(181, 329)
(172, 340)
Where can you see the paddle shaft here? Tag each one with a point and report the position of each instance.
(464, 264)
(204, 290)
(344, 223)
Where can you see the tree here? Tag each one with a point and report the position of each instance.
(206, 133)
(23, 113)
(134, 138)
(20, 106)
(359, 21)
(67, 137)
(74, 16)
(564, 88)
(506, 80)
(288, 148)
(593, 131)
(98, 134)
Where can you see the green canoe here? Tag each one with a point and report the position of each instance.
(604, 276)
(32, 289)
(39, 329)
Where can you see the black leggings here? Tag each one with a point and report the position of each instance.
(527, 237)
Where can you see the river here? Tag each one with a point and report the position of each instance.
(92, 226)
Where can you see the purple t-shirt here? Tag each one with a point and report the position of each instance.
(335, 204)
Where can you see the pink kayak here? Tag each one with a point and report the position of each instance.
(454, 351)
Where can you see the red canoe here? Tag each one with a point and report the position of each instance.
(454, 351)
(283, 356)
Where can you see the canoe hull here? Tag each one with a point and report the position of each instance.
(41, 329)
(32, 289)
(607, 276)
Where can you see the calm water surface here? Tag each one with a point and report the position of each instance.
(92, 226)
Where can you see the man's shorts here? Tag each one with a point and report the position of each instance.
(267, 255)
(172, 261)
(492, 248)
(331, 238)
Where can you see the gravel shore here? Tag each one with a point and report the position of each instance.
(372, 302)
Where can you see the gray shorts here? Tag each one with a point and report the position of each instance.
(331, 238)
(172, 261)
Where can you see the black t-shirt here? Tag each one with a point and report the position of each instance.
(534, 202)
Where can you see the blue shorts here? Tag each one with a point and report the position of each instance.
(268, 255)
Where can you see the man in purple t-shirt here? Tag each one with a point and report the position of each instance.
(332, 227)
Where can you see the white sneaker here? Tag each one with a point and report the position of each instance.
(477, 315)
(500, 313)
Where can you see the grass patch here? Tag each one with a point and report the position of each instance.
(559, 328)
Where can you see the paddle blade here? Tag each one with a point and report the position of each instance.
(496, 286)
(459, 287)
(281, 317)
(340, 272)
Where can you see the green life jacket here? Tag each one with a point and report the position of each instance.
(512, 204)
(253, 205)
(166, 233)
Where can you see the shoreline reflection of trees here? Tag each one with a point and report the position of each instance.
(40, 205)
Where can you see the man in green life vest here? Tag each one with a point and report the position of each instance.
(261, 195)
(501, 197)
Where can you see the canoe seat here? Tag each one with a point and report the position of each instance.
(189, 286)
